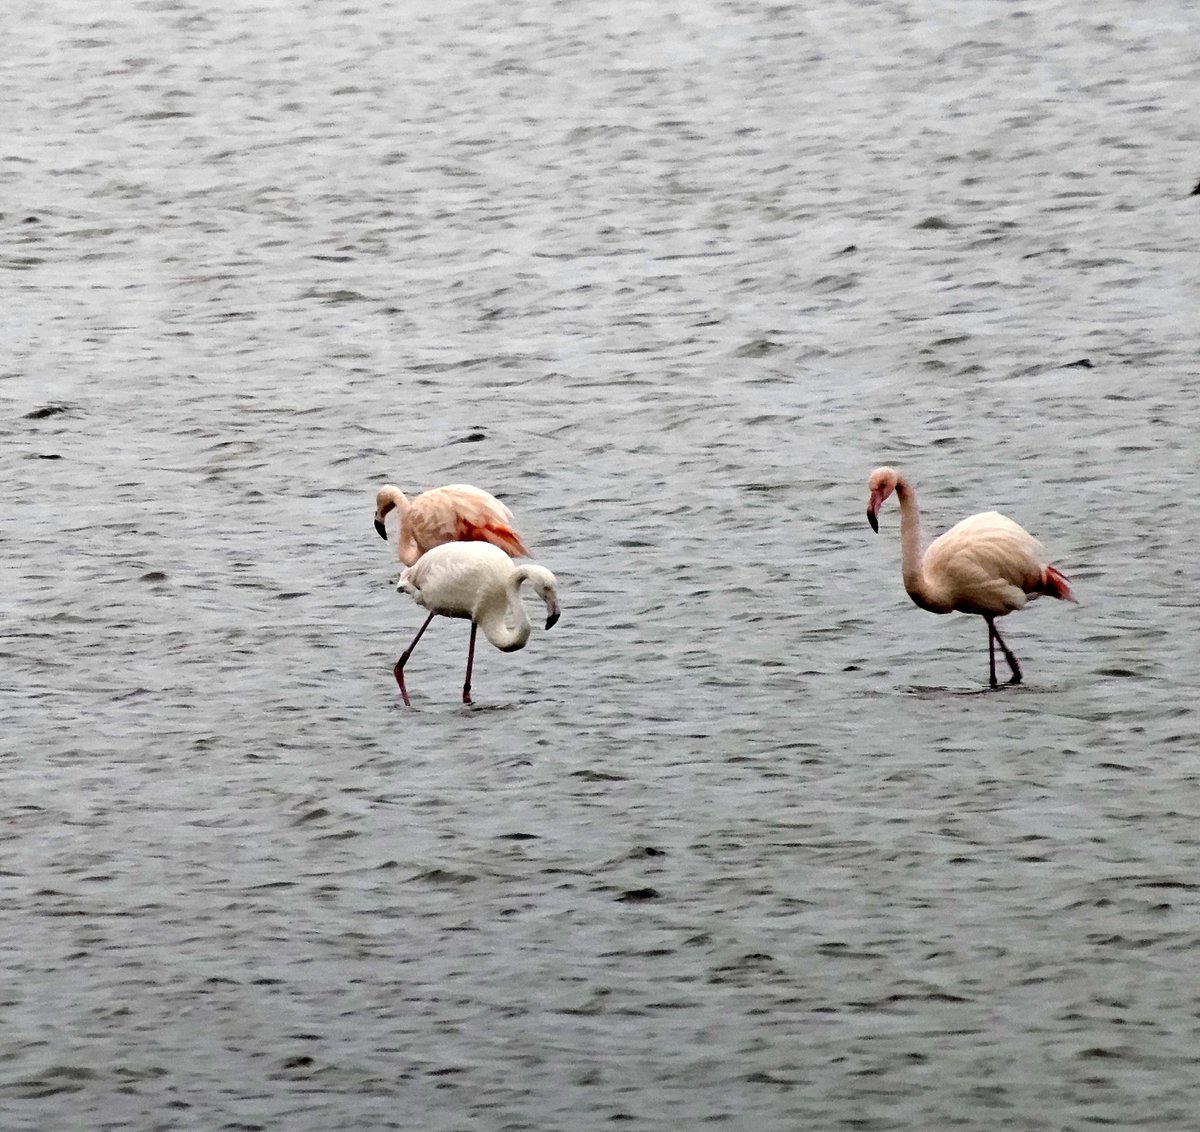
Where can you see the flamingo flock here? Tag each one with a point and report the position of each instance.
(457, 544)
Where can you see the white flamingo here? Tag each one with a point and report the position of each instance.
(986, 564)
(457, 512)
(478, 581)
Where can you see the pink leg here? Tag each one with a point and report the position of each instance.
(470, 664)
(399, 669)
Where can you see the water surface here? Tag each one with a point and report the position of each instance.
(744, 841)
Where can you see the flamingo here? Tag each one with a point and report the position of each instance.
(457, 512)
(478, 581)
(987, 564)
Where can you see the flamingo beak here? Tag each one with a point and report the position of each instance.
(873, 505)
(553, 613)
(381, 529)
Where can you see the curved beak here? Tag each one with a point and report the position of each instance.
(552, 614)
(873, 505)
(381, 529)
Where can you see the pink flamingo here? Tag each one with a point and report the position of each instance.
(457, 512)
(477, 581)
(986, 564)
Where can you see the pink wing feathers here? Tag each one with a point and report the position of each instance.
(460, 513)
(987, 564)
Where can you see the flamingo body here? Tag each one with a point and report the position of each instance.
(478, 582)
(457, 512)
(986, 564)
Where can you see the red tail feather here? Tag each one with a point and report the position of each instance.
(502, 536)
(1055, 584)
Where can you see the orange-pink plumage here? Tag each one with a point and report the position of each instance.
(457, 512)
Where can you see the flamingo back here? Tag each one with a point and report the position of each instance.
(987, 564)
(450, 579)
(461, 513)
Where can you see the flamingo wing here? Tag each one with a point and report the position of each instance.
(450, 578)
(986, 564)
(462, 513)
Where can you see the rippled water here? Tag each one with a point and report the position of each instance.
(745, 840)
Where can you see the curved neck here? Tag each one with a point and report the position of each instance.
(501, 615)
(392, 498)
(395, 497)
(910, 541)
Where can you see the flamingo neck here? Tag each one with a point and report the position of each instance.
(406, 545)
(396, 498)
(501, 615)
(915, 581)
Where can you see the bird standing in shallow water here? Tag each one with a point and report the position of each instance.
(480, 582)
(457, 512)
(986, 564)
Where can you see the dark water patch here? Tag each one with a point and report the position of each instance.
(759, 348)
(50, 1081)
(444, 877)
(638, 895)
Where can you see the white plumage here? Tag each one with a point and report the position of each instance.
(985, 564)
(479, 582)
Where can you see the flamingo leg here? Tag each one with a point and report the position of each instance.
(991, 651)
(399, 669)
(470, 664)
(1008, 655)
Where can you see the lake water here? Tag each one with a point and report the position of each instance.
(745, 841)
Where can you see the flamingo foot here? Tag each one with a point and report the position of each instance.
(399, 673)
(399, 669)
(1013, 664)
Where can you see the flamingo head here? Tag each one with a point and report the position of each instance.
(384, 502)
(881, 484)
(553, 611)
(545, 585)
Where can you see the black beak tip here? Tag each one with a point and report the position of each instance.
(871, 518)
(381, 529)
(552, 620)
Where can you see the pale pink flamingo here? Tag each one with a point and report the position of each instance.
(986, 564)
(480, 582)
(457, 512)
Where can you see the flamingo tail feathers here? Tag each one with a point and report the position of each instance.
(1055, 584)
(498, 534)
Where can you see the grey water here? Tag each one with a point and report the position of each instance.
(745, 841)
